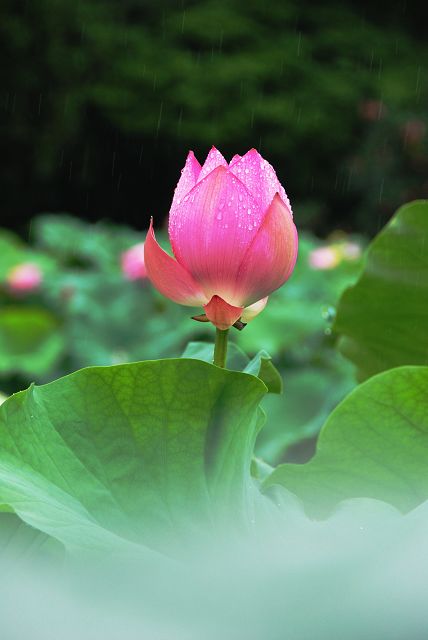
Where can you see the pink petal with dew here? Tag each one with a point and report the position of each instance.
(211, 230)
(214, 160)
(253, 310)
(222, 314)
(188, 178)
(169, 277)
(24, 277)
(235, 158)
(270, 259)
(260, 179)
(132, 262)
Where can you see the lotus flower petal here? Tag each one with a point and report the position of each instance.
(260, 178)
(188, 178)
(222, 314)
(235, 158)
(214, 160)
(232, 233)
(270, 259)
(211, 230)
(253, 310)
(168, 276)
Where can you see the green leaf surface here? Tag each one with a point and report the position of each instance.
(383, 318)
(375, 444)
(30, 341)
(130, 451)
(260, 366)
(20, 541)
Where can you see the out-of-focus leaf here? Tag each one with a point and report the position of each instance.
(375, 444)
(311, 392)
(109, 320)
(30, 341)
(140, 453)
(71, 239)
(383, 318)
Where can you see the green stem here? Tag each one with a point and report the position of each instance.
(220, 349)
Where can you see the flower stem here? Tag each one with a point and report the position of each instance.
(220, 349)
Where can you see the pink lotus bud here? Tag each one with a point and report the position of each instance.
(232, 233)
(324, 258)
(132, 260)
(24, 277)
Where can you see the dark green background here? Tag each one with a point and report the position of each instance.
(100, 101)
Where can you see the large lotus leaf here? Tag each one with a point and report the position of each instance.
(374, 444)
(19, 541)
(383, 318)
(141, 452)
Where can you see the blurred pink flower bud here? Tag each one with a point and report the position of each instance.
(132, 260)
(351, 251)
(324, 258)
(232, 233)
(24, 277)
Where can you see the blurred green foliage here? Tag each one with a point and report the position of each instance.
(102, 99)
(86, 312)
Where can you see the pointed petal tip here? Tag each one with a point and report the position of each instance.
(212, 161)
(278, 199)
